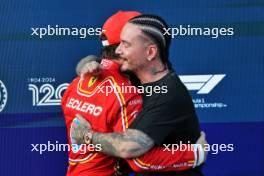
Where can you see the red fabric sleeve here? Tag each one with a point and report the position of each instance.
(159, 159)
(126, 113)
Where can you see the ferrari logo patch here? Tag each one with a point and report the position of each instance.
(92, 81)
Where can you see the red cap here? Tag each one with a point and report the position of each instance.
(114, 24)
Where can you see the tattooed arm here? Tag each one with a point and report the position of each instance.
(129, 144)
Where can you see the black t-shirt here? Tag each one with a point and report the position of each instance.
(169, 118)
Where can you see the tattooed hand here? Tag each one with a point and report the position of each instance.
(81, 131)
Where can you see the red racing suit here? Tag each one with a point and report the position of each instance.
(104, 101)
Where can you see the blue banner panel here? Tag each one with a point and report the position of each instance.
(217, 50)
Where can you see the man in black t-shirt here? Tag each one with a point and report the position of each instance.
(166, 118)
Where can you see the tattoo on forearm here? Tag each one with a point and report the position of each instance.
(106, 142)
(133, 142)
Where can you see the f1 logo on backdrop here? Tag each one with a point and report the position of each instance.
(203, 83)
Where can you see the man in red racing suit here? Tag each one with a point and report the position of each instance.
(109, 107)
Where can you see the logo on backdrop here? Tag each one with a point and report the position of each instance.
(203, 84)
(44, 93)
(3, 96)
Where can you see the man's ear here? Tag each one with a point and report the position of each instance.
(152, 52)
